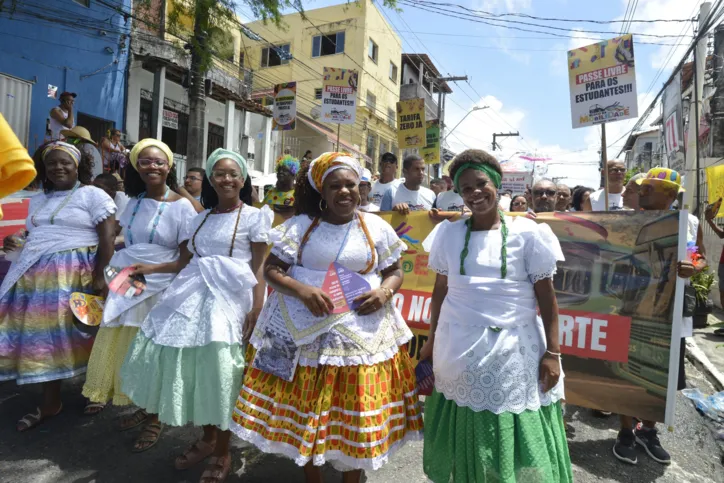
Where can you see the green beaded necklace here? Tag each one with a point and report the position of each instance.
(503, 247)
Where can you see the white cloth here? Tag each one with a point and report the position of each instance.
(449, 201)
(692, 229)
(598, 203)
(172, 223)
(420, 200)
(369, 207)
(209, 299)
(74, 226)
(343, 339)
(476, 365)
(504, 203)
(121, 200)
(56, 127)
(378, 190)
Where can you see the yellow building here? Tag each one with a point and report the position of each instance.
(351, 36)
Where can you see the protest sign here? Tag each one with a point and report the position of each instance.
(411, 128)
(431, 152)
(339, 95)
(285, 107)
(517, 182)
(603, 82)
(715, 183)
(616, 292)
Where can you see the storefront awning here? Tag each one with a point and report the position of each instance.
(332, 138)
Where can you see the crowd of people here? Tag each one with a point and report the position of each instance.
(206, 343)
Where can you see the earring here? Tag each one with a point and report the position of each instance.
(320, 205)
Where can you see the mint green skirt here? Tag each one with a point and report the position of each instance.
(464, 446)
(197, 385)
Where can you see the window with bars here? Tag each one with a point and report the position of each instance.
(328, 44)
(371, 143)
(373, 51)
(318, 93)
(371, 101)
(391, 117)
(393, 72)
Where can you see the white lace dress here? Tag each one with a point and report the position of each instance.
(489, 339)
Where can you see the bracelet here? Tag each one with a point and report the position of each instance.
(388, 292)
(557, 354)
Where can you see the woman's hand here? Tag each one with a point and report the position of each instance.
(143, 269)
(11, 243)
(100, 286)
(318, 302)
(427, 349)
(250, 323)
(685, 269)
(371, 301)
(549, 371)
(402, 208)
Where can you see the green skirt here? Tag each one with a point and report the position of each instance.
(197, 385)
(464, 446)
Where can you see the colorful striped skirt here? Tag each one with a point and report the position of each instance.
(354, 417)
(39, 341)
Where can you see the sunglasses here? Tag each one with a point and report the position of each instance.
(548, 193)
(155, 162)
(518, 203)
(616, 170)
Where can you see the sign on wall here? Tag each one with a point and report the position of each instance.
(431, 152)
(603, 82)
(673, 124)
(285, 107)
(339, 95)
(170, 119)
(411, 128)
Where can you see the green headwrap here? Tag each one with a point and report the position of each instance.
(485, 168)
(222, 153)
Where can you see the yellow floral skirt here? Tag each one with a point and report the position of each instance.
(103, 377)
(354, 417)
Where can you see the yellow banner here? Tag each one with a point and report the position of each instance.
(715, 182)
(431, 152)
(411, 129)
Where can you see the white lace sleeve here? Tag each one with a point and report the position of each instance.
(437, 261)
(286, 237)
(100, 205)
(262, 226)
(184, 213)
(187, 231)
(388, 245)
(542, 252)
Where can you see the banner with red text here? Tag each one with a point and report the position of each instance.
(616, 292)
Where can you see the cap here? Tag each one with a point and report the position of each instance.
(662, 175)
(366, 176)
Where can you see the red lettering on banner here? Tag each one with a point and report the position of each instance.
(594, 335)
(421, 265)
(599, 74)
(414, 305)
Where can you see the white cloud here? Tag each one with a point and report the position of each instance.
(505, 5)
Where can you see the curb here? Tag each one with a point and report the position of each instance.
(702, 362)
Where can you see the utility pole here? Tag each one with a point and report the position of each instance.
(503, 135)
(440, 113)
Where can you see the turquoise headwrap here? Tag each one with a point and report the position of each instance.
(222, 153)
(485, 168)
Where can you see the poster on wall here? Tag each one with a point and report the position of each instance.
(339, 95)
(285, 107)
(411, 127)
(170, 119)
(431, 152)
(52, 91)
(602, 82)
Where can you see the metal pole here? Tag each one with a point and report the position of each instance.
(338, 126)
(696, 131)
(604, 164)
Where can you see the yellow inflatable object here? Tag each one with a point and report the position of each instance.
(16, 166)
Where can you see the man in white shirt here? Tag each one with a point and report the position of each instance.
(438, 186)
(449, 201)
(61, 117)
(616, 174)
(388, 171)
(410, 195)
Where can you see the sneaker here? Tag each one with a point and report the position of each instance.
(625, 447)
(649, 439)
(601, 414)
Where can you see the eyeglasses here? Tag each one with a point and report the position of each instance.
(192, 178)
(221, 175)
(518, 203)
(155, 162)
(548, 193)
(617, 170)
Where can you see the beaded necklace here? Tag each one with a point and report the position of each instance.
(159, 212)
(236, 226)
(360, 219)
(503, 247)
(65, 201)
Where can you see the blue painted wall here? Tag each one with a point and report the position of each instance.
(63, 43)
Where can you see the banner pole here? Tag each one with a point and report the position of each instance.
(604, 164)
(338, 126)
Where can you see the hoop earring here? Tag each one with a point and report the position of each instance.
(320, 205)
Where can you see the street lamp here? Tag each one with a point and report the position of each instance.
(475, 108)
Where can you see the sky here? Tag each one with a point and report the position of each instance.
(522, 76)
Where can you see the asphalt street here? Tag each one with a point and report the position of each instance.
(80, 449)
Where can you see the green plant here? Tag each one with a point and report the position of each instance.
(702, 282)
(631, 172)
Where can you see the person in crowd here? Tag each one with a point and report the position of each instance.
(186, 363)
(409, 195)
(152, 225)
(114, 154)
(448, 182)
(564, 197)
(108, 183)
(307, 156)
(438, 186)
(388, 178)
(365, 186)
(631, 192)
(68, 242)
(505, 199)
(61, 116)
(80, 138)
(545, 196)
(121, 198)
(449, 201)
(581, 198)
(495, 410)
(657, 191)
(281, 197)
(519, 204)
(193, 181)
(309, 363)
(616, 171)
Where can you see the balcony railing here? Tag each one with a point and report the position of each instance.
(416, 91)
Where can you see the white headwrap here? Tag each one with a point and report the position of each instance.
(327, 163)
(69, 149)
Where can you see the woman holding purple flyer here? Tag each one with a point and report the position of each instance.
(327, 381)
(495, 411)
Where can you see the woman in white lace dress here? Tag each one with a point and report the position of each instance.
(187, 362)
(70, 228)
(152, 225)
(326, 383)
(495, 413)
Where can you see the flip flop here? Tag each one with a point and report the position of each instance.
(217, 470)
(31, 420)
(194, 455)
(91, 409)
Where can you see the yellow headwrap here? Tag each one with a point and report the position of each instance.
(150, 143)
(328, 162)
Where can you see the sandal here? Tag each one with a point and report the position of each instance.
(133, 421)
(148, 437)
(91, 409)
(194, 455)
(217, 470)
(30, 420)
